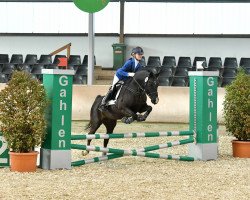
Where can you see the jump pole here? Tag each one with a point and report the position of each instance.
(56, 150)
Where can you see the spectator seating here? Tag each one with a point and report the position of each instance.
(78, 79)
(180, 81)
(85, 60)
(245, 64)
(4, 58)
(143, 61)
(16, 59)
(56, 59)
(3, 78)
(230, 62)
(171, 74)
(154, 61)
(169, 61)
(202, 59)
(229, 70)
(166, 76)
(184, 62)
(215, 64)
(181, 72)
(74, 60)
(30, 59)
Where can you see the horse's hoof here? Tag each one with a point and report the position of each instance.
(140, 118)
(84, 153)
(127, 120)
(124, 119)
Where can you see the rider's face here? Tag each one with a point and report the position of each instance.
(138, 56)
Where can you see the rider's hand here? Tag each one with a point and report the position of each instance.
(131, 74)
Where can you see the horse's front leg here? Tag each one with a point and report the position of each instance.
(147, 109)
(130, 116)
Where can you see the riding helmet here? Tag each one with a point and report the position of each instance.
(136, 50)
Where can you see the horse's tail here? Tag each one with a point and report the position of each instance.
(94, 111)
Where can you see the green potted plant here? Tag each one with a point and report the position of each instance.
(237, 113)
(23, 104)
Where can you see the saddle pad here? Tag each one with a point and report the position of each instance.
(113, 101)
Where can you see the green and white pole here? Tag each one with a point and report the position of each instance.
(134, 152)
(144, 149)
(56, 149)
(131, 135)
(4, 152)
(203, 114)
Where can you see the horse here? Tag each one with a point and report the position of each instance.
(132, 99)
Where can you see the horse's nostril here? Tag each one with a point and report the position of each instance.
(157, 100)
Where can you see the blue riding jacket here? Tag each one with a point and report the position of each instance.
(128, 67)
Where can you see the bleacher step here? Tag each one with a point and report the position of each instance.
(103, 82)
(103, 76)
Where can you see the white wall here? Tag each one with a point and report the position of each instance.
(187, 18)
(45, 45)
(23, 17)
(208, 47)
(161, 18)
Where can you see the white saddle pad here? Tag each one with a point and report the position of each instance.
(113, 101)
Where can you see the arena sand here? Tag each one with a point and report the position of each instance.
(135, 177)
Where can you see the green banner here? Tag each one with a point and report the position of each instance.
(59, 92)
(203, 107)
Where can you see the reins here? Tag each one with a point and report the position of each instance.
(143, 89)
(140, 87)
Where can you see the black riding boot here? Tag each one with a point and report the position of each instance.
(105, 100)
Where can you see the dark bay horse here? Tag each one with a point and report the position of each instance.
(131, 101)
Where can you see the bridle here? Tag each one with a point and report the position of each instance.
(140, 87)
(143, 91)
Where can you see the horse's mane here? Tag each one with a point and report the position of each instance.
(148, 70)
(127, 81)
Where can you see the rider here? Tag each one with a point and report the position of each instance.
(131, 66)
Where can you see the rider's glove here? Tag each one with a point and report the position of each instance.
(131, 74)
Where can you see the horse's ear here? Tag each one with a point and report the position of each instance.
(155, 71)
(158, 71)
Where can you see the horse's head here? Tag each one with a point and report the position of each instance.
(148, 79)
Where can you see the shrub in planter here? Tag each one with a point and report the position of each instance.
(23, 104)
(237, 107)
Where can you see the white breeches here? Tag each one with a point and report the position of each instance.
(115, 80)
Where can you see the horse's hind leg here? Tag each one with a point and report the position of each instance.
(95, 119)
(110, 125)
(93, 129)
